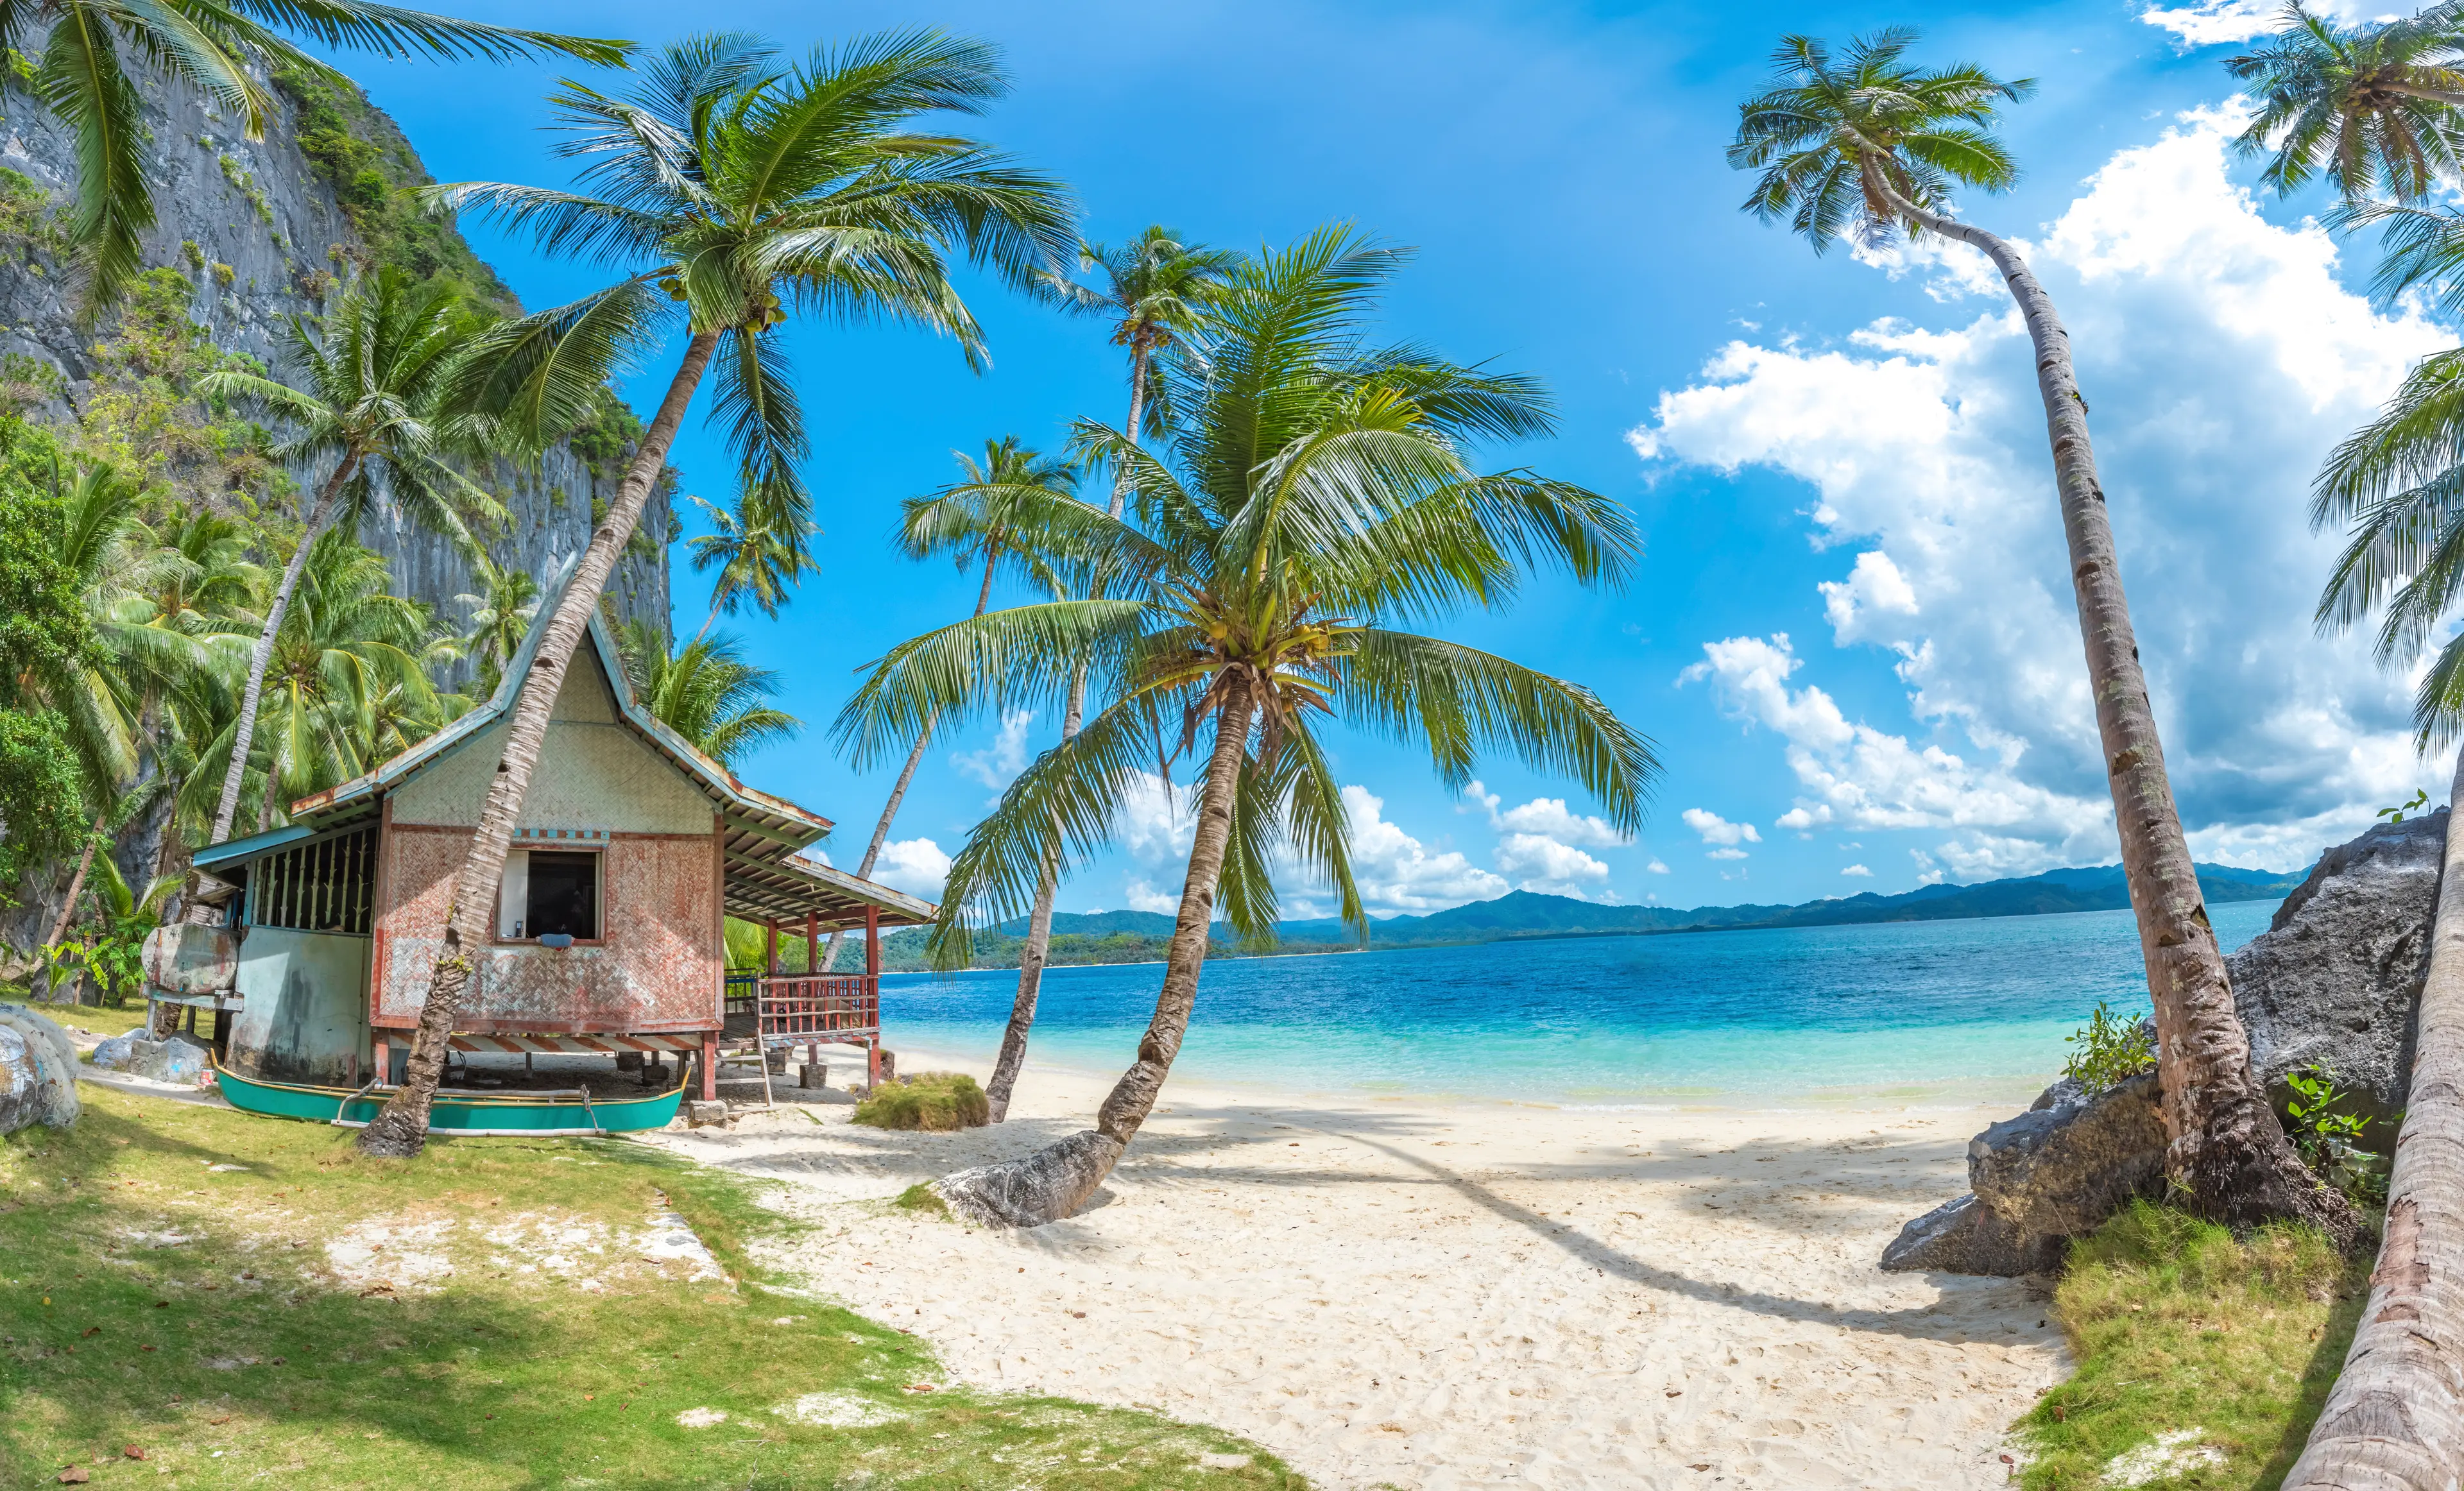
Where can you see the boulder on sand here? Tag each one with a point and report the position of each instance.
(37, 1071)
(2056, 1170)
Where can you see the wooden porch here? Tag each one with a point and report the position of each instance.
(768, 1008)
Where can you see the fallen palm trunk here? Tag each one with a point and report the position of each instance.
(2395, 1418)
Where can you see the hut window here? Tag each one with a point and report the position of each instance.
(564, 895)
(327, 886)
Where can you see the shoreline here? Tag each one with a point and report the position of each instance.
(1442, 1295)
(1958, 1095)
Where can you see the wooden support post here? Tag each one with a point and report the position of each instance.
(709, 1067)
(380, 1061)
(770, 930)
(872, 992)
(812, 943)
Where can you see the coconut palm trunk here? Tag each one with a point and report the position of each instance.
(401, 1130)
(2226, 1143)
(76, 883)
(1056, 1181)
(1039, 921)
(906, 776)
(261, 656)
(2394, 1420)
(1039, 942)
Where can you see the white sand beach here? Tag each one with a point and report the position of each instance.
(1425, 1295)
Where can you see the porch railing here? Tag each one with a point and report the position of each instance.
(839, 1007)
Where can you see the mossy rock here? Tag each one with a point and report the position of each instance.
(936, 1102)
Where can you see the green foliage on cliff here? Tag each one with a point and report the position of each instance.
(143, 417)
(361, 154)
(44, 635)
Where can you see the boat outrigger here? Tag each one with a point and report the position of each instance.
(610, 942)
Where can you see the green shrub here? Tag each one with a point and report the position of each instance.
(2109, 1050)
(936, 1102)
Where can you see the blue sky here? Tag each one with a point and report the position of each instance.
(1851, 636)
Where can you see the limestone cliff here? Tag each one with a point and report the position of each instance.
(261, 230)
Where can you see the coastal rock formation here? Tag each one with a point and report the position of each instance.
(2335, 982)
(2066, 1166)
(2056, 1170)
(2336, 978)
(37, 1071)
(1964, 1237)
(256, 231)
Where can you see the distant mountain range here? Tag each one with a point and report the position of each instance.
(1139, 936)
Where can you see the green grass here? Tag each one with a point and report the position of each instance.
(149, 1300)
(2177, 1326)
(938, 1102)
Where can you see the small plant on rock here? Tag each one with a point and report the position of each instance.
(2109, 1050)
(2331, 1142)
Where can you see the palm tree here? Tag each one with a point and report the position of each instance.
(740, 188)
(1867, 145)
(705, 692)
(1317, 490)
(501, 617)
(760, 556)
(222, 48)
(349, 681)
(2370, 106)
(967, 520)
(373, 375)
(1155, 290)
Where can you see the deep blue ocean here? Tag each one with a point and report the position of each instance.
(1920, 1012)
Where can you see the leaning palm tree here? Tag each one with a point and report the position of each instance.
(1317, 491)
(372, 373)
(760, 556)
(974, 520)
(736, 189)
(1866, 144)
(223, 47)
(705, 692)
(2371, 106)
(1155, 290)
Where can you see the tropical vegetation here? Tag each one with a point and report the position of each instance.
(1316, 489)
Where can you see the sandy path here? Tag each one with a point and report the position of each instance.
(1438, 1297)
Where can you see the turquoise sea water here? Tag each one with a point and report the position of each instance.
(1919, 1012)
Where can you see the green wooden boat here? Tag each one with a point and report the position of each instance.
(455, 1111)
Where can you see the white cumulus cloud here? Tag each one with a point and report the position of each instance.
(2208, 23)
(1717, 830)
(915, 865)
(1396, 872)
(1144, 896)
(1858, 871)
(2222, 356)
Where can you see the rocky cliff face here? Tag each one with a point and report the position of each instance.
(256, 229)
